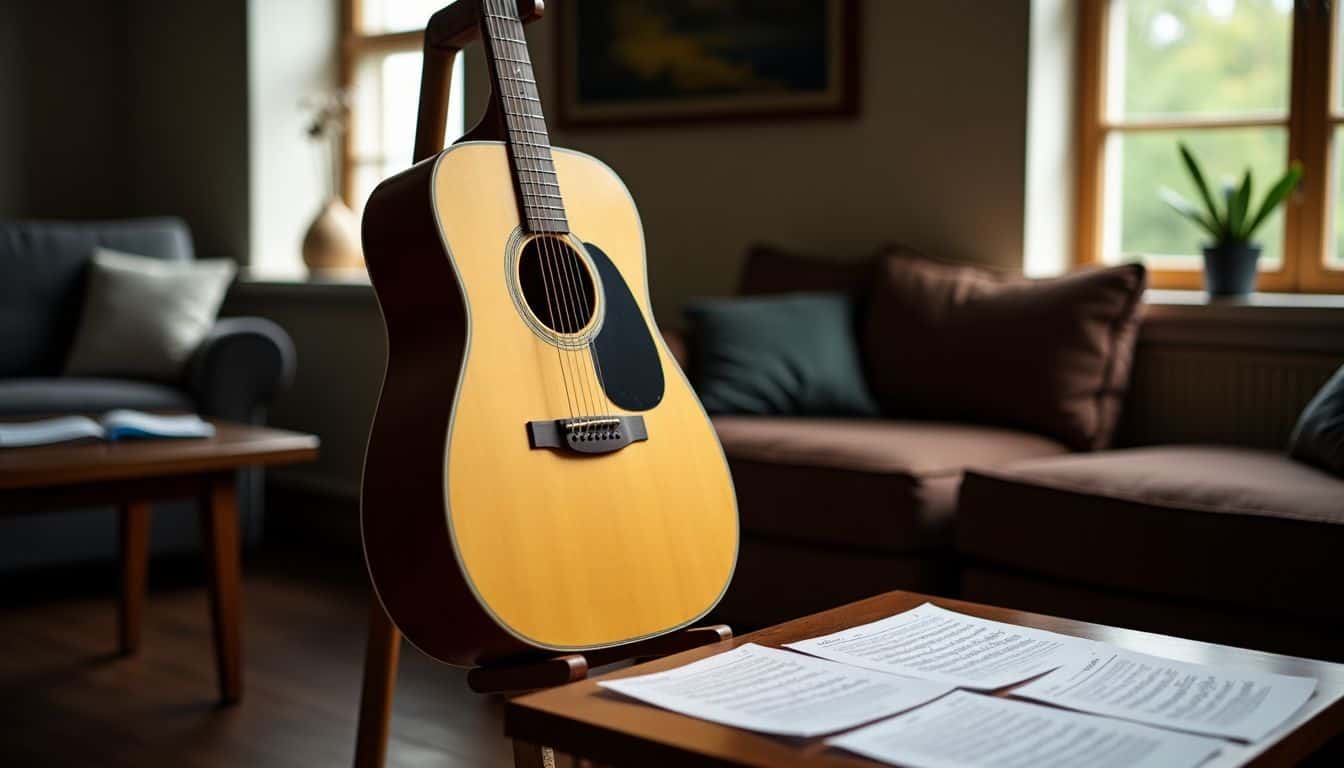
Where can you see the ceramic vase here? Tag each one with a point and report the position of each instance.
(332, 241)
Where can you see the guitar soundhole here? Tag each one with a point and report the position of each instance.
(556, 284)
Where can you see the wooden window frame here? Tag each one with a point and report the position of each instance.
(1310, 122)
(356, 45)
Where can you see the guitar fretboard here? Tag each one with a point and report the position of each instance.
(543, 209)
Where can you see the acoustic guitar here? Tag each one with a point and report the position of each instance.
(540, 476)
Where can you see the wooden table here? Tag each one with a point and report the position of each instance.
(133, 473)
(583, 720)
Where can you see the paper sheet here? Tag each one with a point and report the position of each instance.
(777, 692)
(948, 647)
(967, 729)
(1218, 701)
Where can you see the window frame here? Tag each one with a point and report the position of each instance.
(1310, 123)
(356, 45)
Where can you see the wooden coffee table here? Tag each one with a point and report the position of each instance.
(133, 473)
(585, 721)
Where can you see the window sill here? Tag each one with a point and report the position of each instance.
(352, 285)
(1280, 321)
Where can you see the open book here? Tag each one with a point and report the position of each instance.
(113, 425)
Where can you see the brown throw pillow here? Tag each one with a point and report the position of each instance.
(968, 343)
(772, 269)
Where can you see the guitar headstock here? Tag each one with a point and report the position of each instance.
(454, 26)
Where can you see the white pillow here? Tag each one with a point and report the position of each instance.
(143, 318)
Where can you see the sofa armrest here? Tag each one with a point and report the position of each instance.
(240, 367)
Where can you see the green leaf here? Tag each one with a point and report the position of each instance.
(1238, 199)
(1188, 210)
(1192, 166)
(1277, 194)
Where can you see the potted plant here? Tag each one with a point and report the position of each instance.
(1230, 257)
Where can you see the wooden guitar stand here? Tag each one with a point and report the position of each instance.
(448, 31)
(380, 679)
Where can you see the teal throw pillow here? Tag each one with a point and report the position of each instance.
(1318, 438)
(781, 354)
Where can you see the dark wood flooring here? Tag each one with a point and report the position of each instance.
(67, 699)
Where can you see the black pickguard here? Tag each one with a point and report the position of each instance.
(624, 350)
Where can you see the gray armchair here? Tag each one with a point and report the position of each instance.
(234, 374)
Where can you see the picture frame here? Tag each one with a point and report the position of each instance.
(626, 62)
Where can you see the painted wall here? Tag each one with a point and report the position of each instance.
(188, 115)
(63, 108)
(117, 108)
(936, 159)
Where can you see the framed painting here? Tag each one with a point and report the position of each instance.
(653, 61)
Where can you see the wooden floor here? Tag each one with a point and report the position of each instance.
(69, 700)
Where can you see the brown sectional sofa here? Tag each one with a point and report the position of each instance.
(1228, 543)
(1221, 543)
(872, 501)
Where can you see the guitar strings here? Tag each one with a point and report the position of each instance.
(570, 261)
(552, 247)
(546, 248)
(558, 255)
(594, 361)
(571, 399)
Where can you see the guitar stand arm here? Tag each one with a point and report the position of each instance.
(568, 668)
(449, 30)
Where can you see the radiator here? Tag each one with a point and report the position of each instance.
(1224, 395)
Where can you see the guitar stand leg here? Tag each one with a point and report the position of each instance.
(380, 682)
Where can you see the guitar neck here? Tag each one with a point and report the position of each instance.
(540, 204)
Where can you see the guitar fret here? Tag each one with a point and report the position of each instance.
(529, 142)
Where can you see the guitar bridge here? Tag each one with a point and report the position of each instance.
(587, 435)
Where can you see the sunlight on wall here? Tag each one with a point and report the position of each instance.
(1048, 228)
(291, 55)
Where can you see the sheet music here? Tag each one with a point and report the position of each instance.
(967, 729)
(777, 692)
(948, 647)
(1218, 701)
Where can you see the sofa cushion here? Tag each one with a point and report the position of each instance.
(869, 484)
(1217, 524)
(961, 342)
(43, 265)
(787, 354)
(35, 396)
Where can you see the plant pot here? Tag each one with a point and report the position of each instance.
(332, 241)
(1230, 270)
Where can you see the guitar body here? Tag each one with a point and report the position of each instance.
(482, 544)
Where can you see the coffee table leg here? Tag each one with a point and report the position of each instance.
(527, 755)
(219, 511)
(134, 534)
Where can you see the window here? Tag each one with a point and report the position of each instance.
(380, 70)
(1246, 83)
